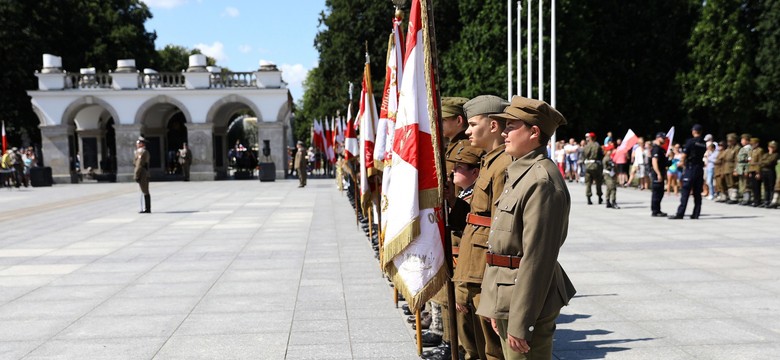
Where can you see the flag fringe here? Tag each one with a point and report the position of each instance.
(433, 112)
(429, 199)
(417, 301)
(400, 241)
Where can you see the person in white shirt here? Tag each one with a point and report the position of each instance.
(572, 156)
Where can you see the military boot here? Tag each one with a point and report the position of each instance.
(721, 198)
(745, 199)
(609, 204)
(600, 200)
(775, 201)
(732, 197)
(589, 201)
(615, 205)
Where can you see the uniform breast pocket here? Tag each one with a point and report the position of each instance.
(504, 218)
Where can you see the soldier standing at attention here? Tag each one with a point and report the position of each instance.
(743, 161)
(484, 133)
(658, 163)
(593, 171)
(754, 170)
(185, 160)
(693, 175)
(610, 178)
(300, 164)
(141, 173)
(729, 172)
(768, 174)
(525, 287)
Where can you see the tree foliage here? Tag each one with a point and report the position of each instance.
(768, 61)
(85, 33)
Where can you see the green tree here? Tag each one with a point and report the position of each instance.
(85, 33)
(175, 58)
(768, 62)
(719, 88)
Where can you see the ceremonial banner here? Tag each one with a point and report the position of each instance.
(669, 138)
(328, 140)
(413, 253)
(368, 118)
(351, 148)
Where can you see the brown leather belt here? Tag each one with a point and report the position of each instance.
(478, 220)
(455, 251)
(507, 261)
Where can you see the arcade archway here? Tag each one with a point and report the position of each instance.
(164, 126)
(235, 137)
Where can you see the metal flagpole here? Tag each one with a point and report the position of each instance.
(519, 48)
(509, 49)
(540, 90)
(553, 79)
(529, 55)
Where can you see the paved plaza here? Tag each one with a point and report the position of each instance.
(250, 270)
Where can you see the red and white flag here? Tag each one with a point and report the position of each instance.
(351, 148)
(368, 118)
(413, 252)
(669, 139)
(328, 140)
(387, 112)
(626, 145)
(5, 141)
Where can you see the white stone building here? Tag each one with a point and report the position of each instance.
(100, 116)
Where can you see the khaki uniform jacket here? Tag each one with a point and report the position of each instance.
(730, 159)
(754, 164)
(593, 155)
(473, 244)
(532, 221)
(141, 164)
(743, 159)
(720, 163)
(300, 160)
(768, 161)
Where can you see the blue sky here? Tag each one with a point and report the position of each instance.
(240, 33)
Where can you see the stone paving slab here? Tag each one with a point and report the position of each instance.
(249, 270)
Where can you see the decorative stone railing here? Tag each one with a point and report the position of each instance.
(162, 80)
(233, 80)
(88, 81)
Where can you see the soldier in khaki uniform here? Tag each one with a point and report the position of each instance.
(484, 133)
(141, 173)
(454, 131)
(743, 161)
(610, 178)
(728, 171)
(525, 286)
(593, 167)
(769, 175)
(754, 170)
(300, 164)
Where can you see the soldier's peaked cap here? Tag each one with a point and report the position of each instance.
(534, 112)
(467, 154)
(452, 106)
(484, 105)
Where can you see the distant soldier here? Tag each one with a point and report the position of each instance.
(185, 160)
(743, 162)
(728, 171)
(301, 163)
(610, 177)
(768, 164)
(593, 167)
(754, 170)
(141, 173)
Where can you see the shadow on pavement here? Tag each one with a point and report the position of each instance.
(178, 212)
(580, 344)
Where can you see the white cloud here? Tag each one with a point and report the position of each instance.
(245, 49)
(215, 50)
(231, 12)
(164, 4)
(294, 75)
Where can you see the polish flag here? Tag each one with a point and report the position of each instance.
(413, 252)
(626, 145)
(5, 141)
(368, 118)
(351, 148)
(669, 138)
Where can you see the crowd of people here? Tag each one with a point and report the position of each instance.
(16, 164)
(735, 170)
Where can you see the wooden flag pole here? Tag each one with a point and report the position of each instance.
(427, 18)
(419, 332)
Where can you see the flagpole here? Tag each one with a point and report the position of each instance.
(519, 47)
(553, 75)
(529, 55)
(540, 90)
(509, 49)
(431, 36)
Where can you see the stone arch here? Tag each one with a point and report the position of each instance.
(220, 104)
(160, 99)
(77, 105)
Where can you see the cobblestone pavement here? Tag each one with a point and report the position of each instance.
(250, 270)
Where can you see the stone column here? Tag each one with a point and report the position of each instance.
(200, 138)
(126, 136)
(54, 141)
(275, 133)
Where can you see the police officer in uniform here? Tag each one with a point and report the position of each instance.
(693, 176)
(525, 286)
(141, 173)
(593, 167)
(659, 163)
(484, 133)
